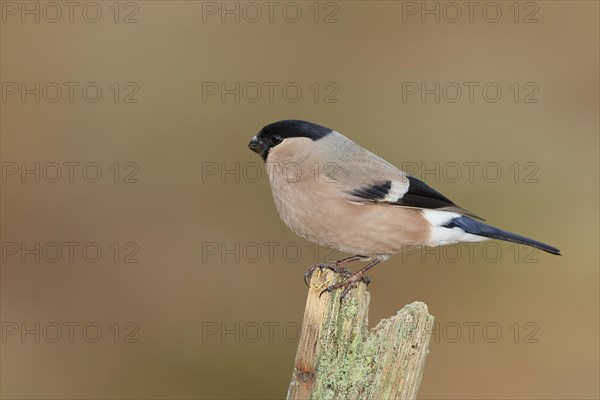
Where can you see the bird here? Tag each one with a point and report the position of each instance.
(335, 193)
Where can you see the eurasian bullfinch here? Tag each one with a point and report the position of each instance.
(335, 193)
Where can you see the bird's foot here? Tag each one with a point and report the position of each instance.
(347, 284)
(332, 266)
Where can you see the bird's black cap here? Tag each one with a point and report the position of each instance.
(293, 128)
(273, 134)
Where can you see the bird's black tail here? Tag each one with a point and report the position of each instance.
(478, 228)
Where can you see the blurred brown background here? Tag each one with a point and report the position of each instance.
(207, 311)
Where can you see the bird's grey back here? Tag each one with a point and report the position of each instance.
(351, 164)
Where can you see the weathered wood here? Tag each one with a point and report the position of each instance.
(338, 358)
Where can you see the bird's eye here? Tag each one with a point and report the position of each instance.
(276, 139)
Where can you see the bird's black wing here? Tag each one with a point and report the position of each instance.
(418, 195)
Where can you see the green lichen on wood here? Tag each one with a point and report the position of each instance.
(339, 367)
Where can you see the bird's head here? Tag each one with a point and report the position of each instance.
(281, 134)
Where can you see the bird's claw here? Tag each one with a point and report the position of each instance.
(332, 266)
(347, 284)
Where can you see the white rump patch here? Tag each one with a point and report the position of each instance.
(439, 218)
(440, 235)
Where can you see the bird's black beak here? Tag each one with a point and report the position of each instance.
(257, 146)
